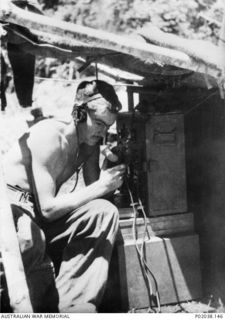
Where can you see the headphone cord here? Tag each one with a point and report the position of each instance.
(76, 158)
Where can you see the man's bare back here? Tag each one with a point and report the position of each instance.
(57, 144)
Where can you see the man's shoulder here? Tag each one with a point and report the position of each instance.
(49, 123)
(48, 128)
(47, 135)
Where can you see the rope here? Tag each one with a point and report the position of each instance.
(118, 84)
(57, 79)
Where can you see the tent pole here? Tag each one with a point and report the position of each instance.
(11, 257)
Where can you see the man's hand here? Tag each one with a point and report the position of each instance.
(111, 179)
(109, 155)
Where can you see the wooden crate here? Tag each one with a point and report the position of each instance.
(174, 261)
(157, 226)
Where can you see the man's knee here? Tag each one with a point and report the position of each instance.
(99, 215)
(32, 242)
(105, 208)
(105, 217)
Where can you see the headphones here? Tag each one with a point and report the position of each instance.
(80, 114)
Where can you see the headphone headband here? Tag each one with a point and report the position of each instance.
(90, 91)
(91, 98)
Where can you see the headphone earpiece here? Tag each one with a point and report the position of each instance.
(81, 113)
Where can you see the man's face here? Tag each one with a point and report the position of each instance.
(98, 122)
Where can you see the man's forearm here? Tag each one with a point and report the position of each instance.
(65, 203)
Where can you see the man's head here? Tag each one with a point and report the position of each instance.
(96, 106)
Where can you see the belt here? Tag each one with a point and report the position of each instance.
(21, 195)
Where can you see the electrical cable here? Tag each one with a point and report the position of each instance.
(199, 103)
(77, 178)
(146, 231)
(147, 282)
(96, 70)
(145, 269)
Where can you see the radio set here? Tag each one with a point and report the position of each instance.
(152, 148)
(128, 146)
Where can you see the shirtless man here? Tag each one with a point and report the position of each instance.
(75, 230)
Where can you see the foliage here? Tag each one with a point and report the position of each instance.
(127, 16)
(189, 19)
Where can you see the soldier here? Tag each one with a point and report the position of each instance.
(76, 230)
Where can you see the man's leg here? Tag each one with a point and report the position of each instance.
(85, 245)
(4, 298)
(37, 265)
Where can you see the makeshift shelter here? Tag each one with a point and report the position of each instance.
(170, 75)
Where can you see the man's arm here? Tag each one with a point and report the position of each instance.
(54, 207)
(46, 158)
